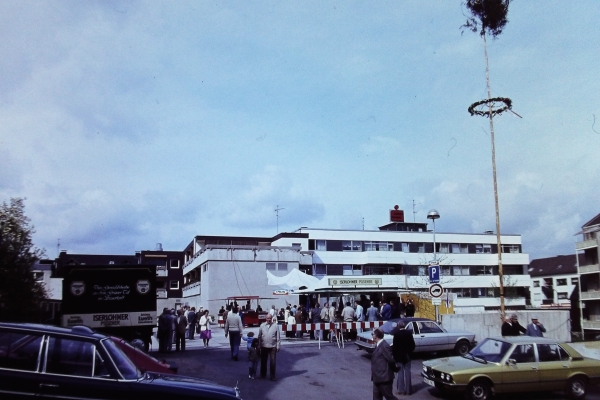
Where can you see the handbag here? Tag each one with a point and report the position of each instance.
(205, 334)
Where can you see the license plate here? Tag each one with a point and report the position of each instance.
(429, 381)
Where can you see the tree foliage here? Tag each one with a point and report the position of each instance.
(20, 294)
(487, 16)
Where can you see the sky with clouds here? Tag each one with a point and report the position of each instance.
(130, 123)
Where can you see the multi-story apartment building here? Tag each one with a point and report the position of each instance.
(554, 279)
(396, 256)
(589, 276)
(169, 275)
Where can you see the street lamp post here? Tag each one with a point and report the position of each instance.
(433, 215)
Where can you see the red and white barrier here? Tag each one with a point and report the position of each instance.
(336, 328)
(330, 326)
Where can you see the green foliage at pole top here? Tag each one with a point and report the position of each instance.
(487, 16)
(20, 294)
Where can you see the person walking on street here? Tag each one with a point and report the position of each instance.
(180, 329)
(382, 373)
(205, 331)
(253, 358)
(269, 342)
(234, 329)
(403, 346)
(535, 328)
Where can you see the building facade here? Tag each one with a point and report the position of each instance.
(399, 253)
(589, 276)
(553, 281)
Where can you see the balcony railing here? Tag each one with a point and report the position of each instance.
(161, 293)
(590, 324)
(193, 289)
(590, 295)
(586, 244)
(161, 270)
(586, 269)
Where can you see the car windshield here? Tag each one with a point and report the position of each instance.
(123, 363)
(491, 350)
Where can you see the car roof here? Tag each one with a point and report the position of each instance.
(410, 319)
(526, 339)
(78, 330)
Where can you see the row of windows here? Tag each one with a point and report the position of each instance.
(488, 292)
(409, 247)
(414, 270)
(559, 282)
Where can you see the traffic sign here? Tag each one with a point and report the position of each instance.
(436, 302)
(434, 273)
(436, 290)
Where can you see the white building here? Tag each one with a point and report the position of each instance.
(554, 280)
(398, 253)
(589, 277)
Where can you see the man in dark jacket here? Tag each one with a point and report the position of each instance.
(410, 308)
(402, 349)
(517, 328)
(513, 328)
(180, 328)
(165, 330)
(382, 362)
(191, 319)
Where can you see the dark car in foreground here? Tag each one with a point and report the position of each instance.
(514, 364)
(50, 362)
(429, 336)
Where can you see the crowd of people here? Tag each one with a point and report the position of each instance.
(175, 326)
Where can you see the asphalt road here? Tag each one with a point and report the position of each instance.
(306, 372)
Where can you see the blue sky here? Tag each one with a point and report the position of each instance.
(131, 123)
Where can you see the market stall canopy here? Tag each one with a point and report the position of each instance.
(293, 280)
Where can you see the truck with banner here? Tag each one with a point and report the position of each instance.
(117, 300)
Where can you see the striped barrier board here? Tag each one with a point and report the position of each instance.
(330, 326)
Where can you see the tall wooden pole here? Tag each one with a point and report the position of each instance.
(496, 203)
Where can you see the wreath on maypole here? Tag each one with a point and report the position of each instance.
(490, 107)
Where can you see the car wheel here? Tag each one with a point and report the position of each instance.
(576, 387)
(461, 348)
(478, 390)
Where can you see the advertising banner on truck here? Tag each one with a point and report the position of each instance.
(109, 296)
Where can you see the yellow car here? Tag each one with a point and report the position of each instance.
(514, 364)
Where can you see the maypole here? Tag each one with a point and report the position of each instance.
(489, 17)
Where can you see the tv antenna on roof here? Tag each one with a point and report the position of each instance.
(277, 209)
(414, 211)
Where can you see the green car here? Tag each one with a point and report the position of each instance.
(514, 364)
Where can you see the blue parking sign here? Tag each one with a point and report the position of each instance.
(434, 273)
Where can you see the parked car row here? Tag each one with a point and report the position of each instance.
(51, 362)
